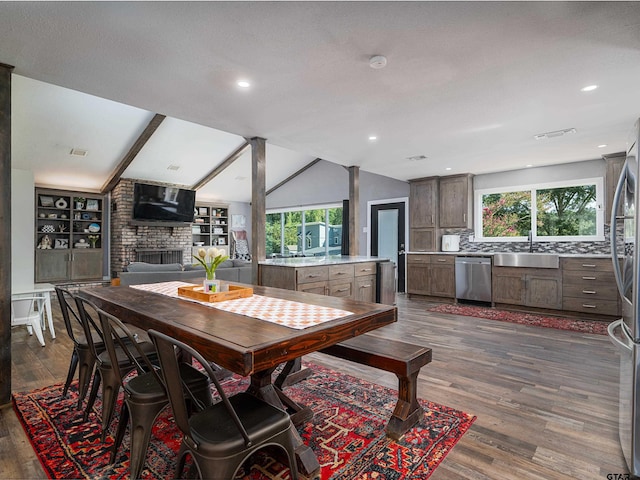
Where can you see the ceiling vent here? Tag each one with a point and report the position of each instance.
(557, 133)
(417, 158)
(173, 167)
(79, 152)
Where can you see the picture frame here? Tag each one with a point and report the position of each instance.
(92, 204)
(61, 243)
(238, 221)
(46, 201)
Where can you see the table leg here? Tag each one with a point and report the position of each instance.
(47, 308)
(262, 387)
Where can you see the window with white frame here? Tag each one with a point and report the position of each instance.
(561, 211)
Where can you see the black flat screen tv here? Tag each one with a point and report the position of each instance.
(162, 203)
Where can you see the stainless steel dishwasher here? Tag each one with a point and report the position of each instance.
(473, 278)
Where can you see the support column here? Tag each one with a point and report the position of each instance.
(5, 234)
(354, 210)
(258, 205)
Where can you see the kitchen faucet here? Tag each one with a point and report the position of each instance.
(530, 241)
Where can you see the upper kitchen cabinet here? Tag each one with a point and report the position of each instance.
(456, 201)
(423, 202)
(613, 169)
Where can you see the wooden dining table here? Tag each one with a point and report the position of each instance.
(242, 343)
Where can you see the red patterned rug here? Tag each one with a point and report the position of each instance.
(346, 434)
(560, 323)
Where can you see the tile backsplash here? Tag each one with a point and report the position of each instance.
(593, 248)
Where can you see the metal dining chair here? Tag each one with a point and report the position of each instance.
(107, 374)
(82, 358)
(144, 394)
(28, 311)
(219, 438)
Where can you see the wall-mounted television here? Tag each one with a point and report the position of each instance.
(163, 203)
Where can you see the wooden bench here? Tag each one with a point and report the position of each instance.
(403, 359)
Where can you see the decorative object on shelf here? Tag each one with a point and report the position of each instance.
(93, 239)
(45, 243)
(61, 203)
(94, 228)
(42, 215)
(210, 259)
(202, 211)
(62, 228)
(48, 229)
(46, 201)
(52, 215)
(82, 243)
(61, 243)
(86, 216)
(79, 201)
(63, 216)
(92, 204)
(198, 244)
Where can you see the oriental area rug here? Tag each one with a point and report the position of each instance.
(346, 434)
(559, 323)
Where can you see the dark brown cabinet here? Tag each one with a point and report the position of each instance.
(589, 286)
(431, 275)
(423, 214)
(530, 287)
(456, 201)
(69, 233)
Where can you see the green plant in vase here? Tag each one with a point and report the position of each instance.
(210, 259)
(93, 239)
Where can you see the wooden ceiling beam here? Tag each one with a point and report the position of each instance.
(294, 175)
(133, 152)
(233, 156)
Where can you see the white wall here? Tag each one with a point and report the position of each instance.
(22, 224)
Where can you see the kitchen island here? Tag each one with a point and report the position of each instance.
(363, 278)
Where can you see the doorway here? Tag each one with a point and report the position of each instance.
(387, 236)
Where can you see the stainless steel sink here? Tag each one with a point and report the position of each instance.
(532, 260)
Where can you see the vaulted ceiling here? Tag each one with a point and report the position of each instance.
(467, 85)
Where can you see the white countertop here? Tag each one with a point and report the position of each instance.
(318, 261)
(490, 254)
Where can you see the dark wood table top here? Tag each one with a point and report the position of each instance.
(242, 344)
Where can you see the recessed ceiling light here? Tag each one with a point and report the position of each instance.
(243, 84)
(529, 165)
(602, 146)
(589, 88)
(373, 137)
(448, 168)
(378, 62)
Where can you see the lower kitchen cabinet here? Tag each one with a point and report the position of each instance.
(431, 275)
(589, 286)
(530, 287)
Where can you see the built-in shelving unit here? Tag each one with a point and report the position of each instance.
(69, 233)
(210, 225)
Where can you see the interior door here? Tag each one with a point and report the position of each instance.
(387, 237)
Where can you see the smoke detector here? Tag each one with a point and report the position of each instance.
(557, 133)
(378, 61)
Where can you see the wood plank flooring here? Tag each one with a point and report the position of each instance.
(546, 400)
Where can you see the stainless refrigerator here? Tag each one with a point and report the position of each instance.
(625, 333)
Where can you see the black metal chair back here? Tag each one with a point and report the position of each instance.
(220, 437)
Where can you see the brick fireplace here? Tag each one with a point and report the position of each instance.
(135, 241)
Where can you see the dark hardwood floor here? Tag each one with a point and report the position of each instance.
(546, 400)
